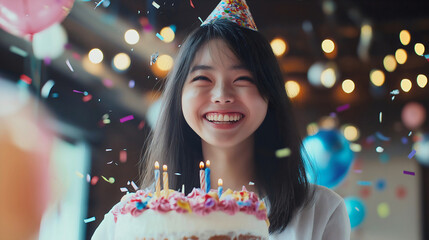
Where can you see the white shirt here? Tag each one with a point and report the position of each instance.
(324, 218)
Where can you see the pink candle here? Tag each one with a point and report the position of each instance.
(202, 177)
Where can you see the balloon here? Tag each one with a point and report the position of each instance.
(22, 17)
(422, 150)
(356, 210)
(329, 157)
(413, 115)
(50, 42)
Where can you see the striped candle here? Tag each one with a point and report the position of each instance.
(202, 177)
(157, 180)
(165, 180)
(207, 173)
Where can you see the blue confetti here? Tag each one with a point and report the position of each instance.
(411, 155)
(364, 183)
(88, 220)
(160, 37)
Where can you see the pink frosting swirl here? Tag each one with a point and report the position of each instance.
(161, 204)
(203, 205)
(229, 206)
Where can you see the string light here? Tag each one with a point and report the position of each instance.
(348, 86)
(377, 77)
(279, 46)
(422, 80)
(292, 88)
(406, 85)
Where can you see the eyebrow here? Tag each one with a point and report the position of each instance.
(205, 67)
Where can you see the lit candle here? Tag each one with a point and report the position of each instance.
(219, 187)
(202, 177)
(165, 180)
(157, 180)
(208, 186)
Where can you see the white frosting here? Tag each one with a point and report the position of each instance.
(172, 225)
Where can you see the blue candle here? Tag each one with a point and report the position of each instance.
(207, 173)
(219, 188)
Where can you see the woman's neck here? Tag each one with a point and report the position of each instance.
(234, 164)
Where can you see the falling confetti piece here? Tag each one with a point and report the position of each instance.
(160, 37)
(427, 56)
(284, 152)
(79, 174)
(127, 118)
(18, 51)
(141, 125)
(69, 65)
(99, 3)
(411, 155)
(46, 89)
(409, 134)
(394, 92)
(131, 84)
(112, 180)
(379, 149)
(76, 91)
(382, 137)
(156, 5)
(154, 57)
(192, 5)
(94, 180)
(88, 178)
(200, 19)
(25, 79)
(87, 98)
(343, 107)
(108, 149)
(409, 173)
(380, 117)
(178, 174)
(123, 156)
(134, 185)
(251, 183)
(364, 183)
(124, 189)
(110, 162)
(88, 220)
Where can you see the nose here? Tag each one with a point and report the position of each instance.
(222, 94)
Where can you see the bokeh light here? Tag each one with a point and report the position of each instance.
(383, 210)
(95, 56)
(328, 45)
(422, 80)
(312, 128)
(406, 85)
(279, 46)
(164, 62)
(405, 37)
(351, 132)
(377, 77)
(328, 77)
(419, 48)
(121, 61)
(131, 36)
(389, 63)
(168, 34)
(401, 56)
(292, 88)
(348, 86)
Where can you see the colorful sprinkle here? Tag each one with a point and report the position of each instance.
(192, 5)
(127, 118)
(69, 65)
(156, 5)
(383, 210)
(124, 189)
(380, 117)
(123, 156)
(131, 84)
(200, 19)
(25, 79)
(88, 220)
(343, 107)
(284, 152)
(46, 89)
(409, 173)
(154, 57)
(108, 149)
(99, 3)
(394, 92)
(160, 37)
(411, 155)
(382, 137)
(18, 51)
(134, 185)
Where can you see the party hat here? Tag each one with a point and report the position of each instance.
(233, 10)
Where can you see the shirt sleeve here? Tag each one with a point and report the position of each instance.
(338, 226)
(106, 229)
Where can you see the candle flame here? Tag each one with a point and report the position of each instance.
(220, 182)
(208, 163)
(164, 168)
(201, 165)
(157, 165)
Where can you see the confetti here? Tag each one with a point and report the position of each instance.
(427, 56)
(69, 65)
(110, 180)
(110, 162)
(411, 155)
(380, 117)
(88, 220)
(124, 189)
(156, 5)
(25, 79)
(357, 209)
(251, 183)
(200, 19)
(94, 180)
(108, 83)
(88, 178)
(108, 149)
(87, 98)
(79, 174)
(134, 185)
(18, 51)
(284, 152)
(76, 91)
(379, 149)
(409, 134)
(99, 3)
(394, 92)
(46, 89)
(154, 57)
(343, 107)
(160, 37)
(380, 185)
(127, 118)
(131, 84)
(364, 183)
(178, 174)
(192, 5)
(409, 173)
(382, 137)
(123, 156)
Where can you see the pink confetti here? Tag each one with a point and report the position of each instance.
(76, 56)
(108, 83)
(76, 91)
(141, 125)
(94, 180)
(192, 5)
(123, 156)
(127, 118)
(343, 107)
(87, 98)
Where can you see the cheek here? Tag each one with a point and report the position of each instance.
(189, 108)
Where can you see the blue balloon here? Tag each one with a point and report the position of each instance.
(356, 211)
(328, 157)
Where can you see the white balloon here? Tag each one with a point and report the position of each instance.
(50, 42)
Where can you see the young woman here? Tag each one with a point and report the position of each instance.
(225, 101)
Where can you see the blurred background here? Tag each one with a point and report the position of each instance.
(91, 73)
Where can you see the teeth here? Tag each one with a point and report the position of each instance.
(216, 117)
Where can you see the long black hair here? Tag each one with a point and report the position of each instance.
(282, 181)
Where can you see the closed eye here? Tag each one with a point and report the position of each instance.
(200, 78)
(246, 79)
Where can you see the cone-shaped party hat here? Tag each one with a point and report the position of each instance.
(233, 10)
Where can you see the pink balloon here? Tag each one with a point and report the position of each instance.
(413, 115)
(23, 17)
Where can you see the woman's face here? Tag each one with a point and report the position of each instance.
(220, 102)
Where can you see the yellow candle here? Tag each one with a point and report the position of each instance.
(157, 180)
(165, 179)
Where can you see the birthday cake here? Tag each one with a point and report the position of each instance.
(235, 215)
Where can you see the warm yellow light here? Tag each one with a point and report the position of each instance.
(389, 63)
(351, 133)
(406, 85)
(292, 88)
(279, 46)
(348, 86)
(168, 34)
(131, 36)
(93, 68)
(95, 55)
(312, 129)
(404, 37)
(355, 147)
(328, 45)
(328, 122)
(164, 62)
(422, 80)
(377, 77)
(121, 61)
(401, 56)
(419, 48)
(328, 77)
